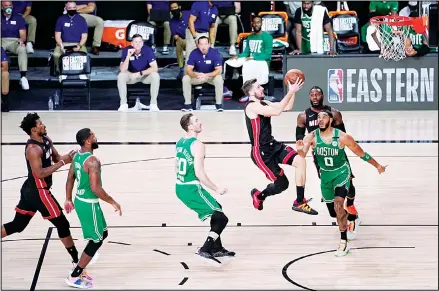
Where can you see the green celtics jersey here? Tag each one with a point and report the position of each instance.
(185, 168)
(84, 188)
(330, 156)
(306, 32)
(416, 38)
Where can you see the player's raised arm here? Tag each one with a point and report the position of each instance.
(349, 141)
(33, 155)
(93, 167)
(301, 126)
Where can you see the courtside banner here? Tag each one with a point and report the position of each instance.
(366, 82)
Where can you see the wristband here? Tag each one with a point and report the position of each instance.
(366, 157)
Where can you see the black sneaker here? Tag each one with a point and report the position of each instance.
(187, 108)
(223, 253)
(219, 107)
(208, 256)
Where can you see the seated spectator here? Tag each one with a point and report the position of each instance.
(201, 23)
(378, 8)
(161, 5)
(70, 33)
(204, 65)
(256, 57)
(138, 64)
(309, 36)
(24, 9)
(290, 8)
(14, 39)
(87, 9)
(231, 20)
(5, 82)
(178, 26)
(416, 44)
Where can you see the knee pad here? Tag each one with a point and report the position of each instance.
(19, 223)
(331, 209)
(62, 226)
(92, 247)
(218, 222)
(351, 192)
(341, 192)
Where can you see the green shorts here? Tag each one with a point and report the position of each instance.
(329, 180)
(91, 217)
(196, 198)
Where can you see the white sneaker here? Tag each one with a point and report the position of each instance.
(343, 249)
(29, 48)
(353, 228)
(153, 107)
(123, 107)
(232, 50)
(143, 106)
(24, 83)
(165, 50)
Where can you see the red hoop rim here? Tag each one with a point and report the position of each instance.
(416, 22)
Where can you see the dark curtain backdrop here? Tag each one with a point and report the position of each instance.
(47, 13)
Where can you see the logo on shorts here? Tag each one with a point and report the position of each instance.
(335, 85)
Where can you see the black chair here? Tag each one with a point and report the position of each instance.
(203, 94)
(71, 66)
(346, 26)
(145, 29)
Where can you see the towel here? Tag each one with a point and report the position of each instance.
(316, 35)
(255, 69)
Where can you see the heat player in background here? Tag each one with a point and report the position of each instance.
(307, 121)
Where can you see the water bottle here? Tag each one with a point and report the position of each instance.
(50, 103)
(56, 98)
(138, 104)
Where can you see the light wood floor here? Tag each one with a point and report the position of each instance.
(396, 247)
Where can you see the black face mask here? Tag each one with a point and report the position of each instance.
(94, 145)
(176, 13)
(71, 12)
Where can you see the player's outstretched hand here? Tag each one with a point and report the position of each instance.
(117, 208)
(68, 158)
(293, 88)
(381, 169)
(221, 191)
(69, 206)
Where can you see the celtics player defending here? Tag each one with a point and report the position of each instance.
(190, 172)
(328, 145)
(307, 121)
(86, 169)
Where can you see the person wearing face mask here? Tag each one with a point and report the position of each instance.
(24, 8)
(303, 20)
(70, 32)
(178, 25)
(14, 39)
(138, 64)
(87, 9)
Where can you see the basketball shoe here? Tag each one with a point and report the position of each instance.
(343, 249)
(257, 203)
(304, 207)
(80, 282)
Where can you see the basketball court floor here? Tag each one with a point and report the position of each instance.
(152, 245)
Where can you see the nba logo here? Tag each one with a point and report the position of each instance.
(335, 85)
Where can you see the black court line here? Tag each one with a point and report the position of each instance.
(30, 239)
(220, 142)
(265, 225)
(241, 157)
(285, 268)
(41, 259)
(183, 281)
(161, 252)
(119, 243)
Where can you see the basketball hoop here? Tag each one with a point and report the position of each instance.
(393, 32)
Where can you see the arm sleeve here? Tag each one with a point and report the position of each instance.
(300, 133)
(191, 61)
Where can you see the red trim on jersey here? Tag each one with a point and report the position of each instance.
(288, 156)
(256, 128)
(46, 198)
(25, 212)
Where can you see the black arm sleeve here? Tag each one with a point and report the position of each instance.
(300, 133)
(341, 127)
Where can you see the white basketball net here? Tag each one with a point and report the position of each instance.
(393, 40)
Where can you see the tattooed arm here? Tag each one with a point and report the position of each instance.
(93, 167)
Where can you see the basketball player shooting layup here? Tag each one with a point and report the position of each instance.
(35, 192)
(86, 169)
(307, 120)
(335, 172)
(189, 163)
(267, 153)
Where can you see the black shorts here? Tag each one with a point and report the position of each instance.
(268, 159)
(41, 200)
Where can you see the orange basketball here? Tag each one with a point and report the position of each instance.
(292, 76)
